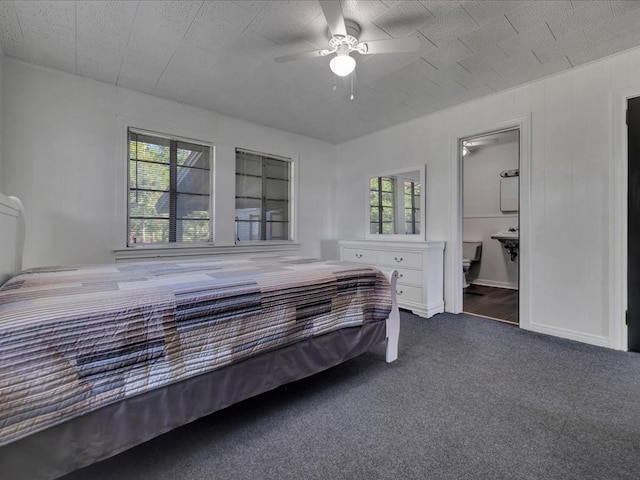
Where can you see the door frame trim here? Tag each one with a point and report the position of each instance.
(618, 197)
(523, 124)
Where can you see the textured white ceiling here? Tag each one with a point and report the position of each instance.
(219, 54)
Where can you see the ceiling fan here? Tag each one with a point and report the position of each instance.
(345, 39)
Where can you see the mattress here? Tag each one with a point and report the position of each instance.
(74, 340)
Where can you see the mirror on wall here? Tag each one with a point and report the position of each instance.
(396, 205)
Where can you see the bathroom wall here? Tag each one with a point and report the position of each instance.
(481, 212)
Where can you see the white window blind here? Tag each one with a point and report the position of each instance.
(169, 190)
(263, 197)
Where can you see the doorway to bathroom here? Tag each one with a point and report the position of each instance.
(491, 224)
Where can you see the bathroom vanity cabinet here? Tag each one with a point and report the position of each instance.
(420, 267)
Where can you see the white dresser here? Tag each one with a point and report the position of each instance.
(420, 267)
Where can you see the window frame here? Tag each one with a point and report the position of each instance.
(170, 138)
(292, 199)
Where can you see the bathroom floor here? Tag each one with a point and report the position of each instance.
(497, 303)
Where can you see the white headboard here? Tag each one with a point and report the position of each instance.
(12, 231)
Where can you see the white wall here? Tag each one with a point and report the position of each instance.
(64, 154)
(570, 195)
(1, 110)
(482, 216)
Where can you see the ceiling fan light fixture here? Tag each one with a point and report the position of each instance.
(342, 64)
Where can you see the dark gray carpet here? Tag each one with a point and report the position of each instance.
(469, 398)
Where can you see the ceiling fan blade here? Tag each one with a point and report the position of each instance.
(333, 14)
(299, 56)
(392, 45)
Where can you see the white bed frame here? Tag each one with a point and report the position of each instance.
(11, 237)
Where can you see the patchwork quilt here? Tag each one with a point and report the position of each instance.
(75, 339)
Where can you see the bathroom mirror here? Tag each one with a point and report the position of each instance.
(396, 206)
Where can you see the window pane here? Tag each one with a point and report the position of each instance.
(263, 189)
(192, 206)
(248, 187)
(193, 180)
(277, 230)
(149, 176)
(248, 165)
(278, 169)
(194, 230)
(248, 229)
(382, 201)
(247, 204)
(387, 185)
(147, 204)
(169, 190)
(148, 231)
(277, 209)
(154, 151)
(277, 189)
(373, 217)
(192, 155)
(412, 227)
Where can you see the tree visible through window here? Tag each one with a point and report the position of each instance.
(169, 190)
(412, 206)
(382, 191)
(263, 197)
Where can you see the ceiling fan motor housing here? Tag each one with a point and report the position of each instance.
(351, 40)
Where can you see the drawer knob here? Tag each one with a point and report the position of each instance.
(398, 259)
(398, 292)
(400, 275)
(358, 255)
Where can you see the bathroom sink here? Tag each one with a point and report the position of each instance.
(509, 240)
(506, 235)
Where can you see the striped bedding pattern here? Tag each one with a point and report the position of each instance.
(75, 339)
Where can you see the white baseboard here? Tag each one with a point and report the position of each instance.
(493, 283)
(570, 335)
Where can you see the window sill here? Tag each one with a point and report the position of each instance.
(160, 252)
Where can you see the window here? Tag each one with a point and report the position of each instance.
(412, 206)
(169, 190)
(382, 191)
(263, 197)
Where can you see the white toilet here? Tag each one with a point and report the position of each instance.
(471, 252)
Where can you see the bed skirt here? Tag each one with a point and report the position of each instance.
(114, 428)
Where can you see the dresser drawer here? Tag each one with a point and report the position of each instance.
(411, 277)
(400, 259)
(408, 293)
(359, 255)
(419, 265)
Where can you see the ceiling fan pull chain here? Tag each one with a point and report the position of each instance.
(352, 74)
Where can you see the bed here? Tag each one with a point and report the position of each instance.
(99, 358)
